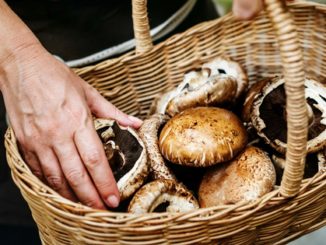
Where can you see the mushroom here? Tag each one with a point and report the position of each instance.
(149, 134)
(246, 178)
(321, 156)
(227, 67)
(199, 88)
(126, 154)
(218, 83)
(202, 136)
(253, 91)
(314, 162)
(268, 115)
(160, 102)
(162, 195)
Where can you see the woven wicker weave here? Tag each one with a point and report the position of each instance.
(132, 81)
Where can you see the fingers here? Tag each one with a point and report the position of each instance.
(49, 172)
(33, 162)
(76, 174)
(92, 153)
(53, 174)
(246, 9)
(100, 107)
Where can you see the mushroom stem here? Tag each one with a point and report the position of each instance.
(149, 134)
(310, 114)
(322, 160)
(278, 161)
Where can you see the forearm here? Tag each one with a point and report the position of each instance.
(15, 38)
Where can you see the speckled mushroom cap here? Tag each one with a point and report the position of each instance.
(268, 115)
(126, 154)
(249, 176)
(149, 134)
(162, 195)
(227, 67)
(202, 136)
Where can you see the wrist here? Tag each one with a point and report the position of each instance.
(14, 57)
(18, 43)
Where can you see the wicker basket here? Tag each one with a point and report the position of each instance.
(132, 81)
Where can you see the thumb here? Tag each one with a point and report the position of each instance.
(102, 108)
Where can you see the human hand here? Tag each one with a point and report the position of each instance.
(246, 9)
(50, 109)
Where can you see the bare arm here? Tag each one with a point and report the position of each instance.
(50, 109)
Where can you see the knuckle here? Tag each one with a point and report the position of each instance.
(92, 159)
(56, 182)
(75, 177)
(38, 173)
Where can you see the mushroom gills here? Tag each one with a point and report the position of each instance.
(314, 162)
(273, 113)
(115, 157)
(162, 196)
(162, 207)
(170, 203)
(126, 150)
(126, 154)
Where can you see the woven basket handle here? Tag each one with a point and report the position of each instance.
(141, 26)
(293, 71)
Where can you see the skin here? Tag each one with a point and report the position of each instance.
(247, 9)
(50, 110)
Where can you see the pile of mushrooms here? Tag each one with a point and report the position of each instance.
(192, 126)
(197, 126)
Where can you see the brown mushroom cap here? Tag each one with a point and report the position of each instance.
(227, 67)
(268, 115)
(126, 154)
(249, 176)
(202, 136)
(162, 195)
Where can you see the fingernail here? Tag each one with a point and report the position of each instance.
(113, 201)
(135, 119)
